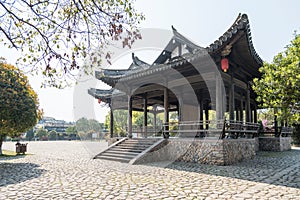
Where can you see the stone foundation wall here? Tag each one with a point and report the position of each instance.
(167, 151)
(238, 150)
(206, 151)
(274, 143)
(256, 144)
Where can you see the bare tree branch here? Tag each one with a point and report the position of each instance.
(57, 35)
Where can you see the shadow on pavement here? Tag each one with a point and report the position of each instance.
(13, 173)
(277, 168)
(13, 157)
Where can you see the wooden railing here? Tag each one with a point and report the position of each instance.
(208, 129)
(217, 129)
(282, 132)
(286, 131)
(238, 129)
(149, 131)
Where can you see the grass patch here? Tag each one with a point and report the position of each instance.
(7, 153)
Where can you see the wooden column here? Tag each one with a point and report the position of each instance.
(248, 109)
(166, 111)
(255, 113)
(201, 113)
(231, 100)
(276, 123)
(111, 125)
(129, 116)
(219, 98)
(145, 116)
(237, 115)
(251, 113)
(179, 112)
(154, 122)
(207, 116)
(242, 110)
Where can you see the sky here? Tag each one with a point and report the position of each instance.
(272, 24)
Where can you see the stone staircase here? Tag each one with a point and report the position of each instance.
(127, 149)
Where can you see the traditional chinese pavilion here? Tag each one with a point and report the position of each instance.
(151, 84)
(191, 80)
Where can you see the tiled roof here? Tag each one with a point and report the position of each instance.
(240, 24)
(111, 76)
(140, 69)
(104, 95)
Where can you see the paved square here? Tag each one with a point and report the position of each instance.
(65, 170)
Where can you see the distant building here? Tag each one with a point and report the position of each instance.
(50, 123)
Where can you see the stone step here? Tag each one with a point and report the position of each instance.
(128, 147)
(124, 152)
(118, 155)
(134, 145)
(150, 141)
(138, 142)
(143, 139)
(125, 160)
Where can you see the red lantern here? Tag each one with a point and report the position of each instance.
(224, 64)
(99, 100)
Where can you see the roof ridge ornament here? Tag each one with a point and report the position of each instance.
(134, 59)
(240, 24)
(227, 50)
(173, 28)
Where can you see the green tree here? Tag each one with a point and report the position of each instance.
(56, 34)
(19, 106)
(279, 86)
(41, 134)
(296, 135)
(71, 130)
(174, 116)
(82, 125)
(95, 125)
(30, 134)
(266, 114)
(52, 135)
(139, 120)
(86, 127)
(120, 122)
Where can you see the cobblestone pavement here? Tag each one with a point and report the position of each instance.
(64, 170)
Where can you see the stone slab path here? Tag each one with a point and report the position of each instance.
(65, 170)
